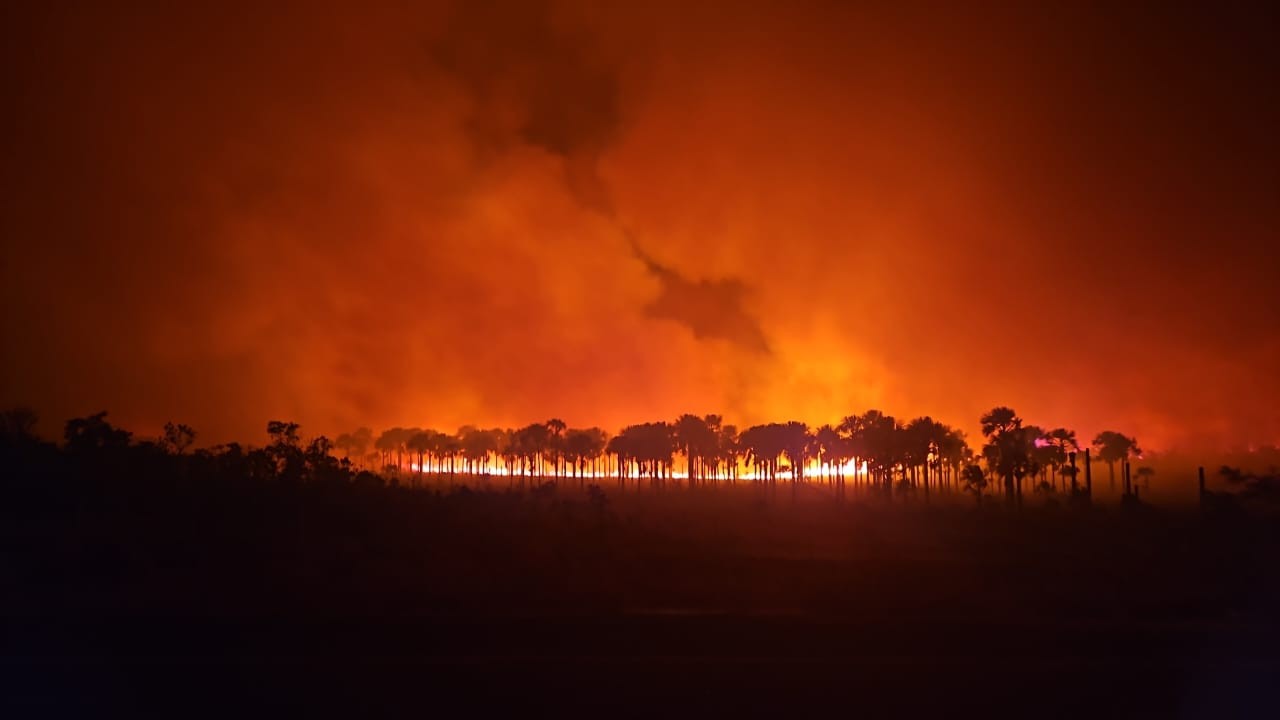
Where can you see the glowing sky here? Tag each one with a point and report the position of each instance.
(496, 213)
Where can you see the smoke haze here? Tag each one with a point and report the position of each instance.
(495, 213)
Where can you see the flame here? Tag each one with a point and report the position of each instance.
(496, 468)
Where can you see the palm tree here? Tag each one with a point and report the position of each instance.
(386, 445)
(477, 446)
(692, 437)
(509, 451)
(922, 441)
(762, 445)
(555, 442)
(830, 450)
(658, 447)
(1009, 449)
(975, 481)
(711, 446)
(876, 440)
(393, 441)
(1114, 447)
(1043, 452)
(533, 442)
(354, 444)
(451, 447)
(729, 451)
(1064, 441)
(953, 453)
(582, 447)
(852, 432)
(796, 442)
(649, 447)
(595, 451)
(620, 446)
(420, 443)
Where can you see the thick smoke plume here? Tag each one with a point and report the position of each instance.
(495, 213)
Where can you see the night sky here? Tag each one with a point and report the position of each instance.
(496, 213)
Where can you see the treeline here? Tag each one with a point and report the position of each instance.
(872, 450)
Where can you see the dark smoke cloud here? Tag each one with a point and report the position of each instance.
(712, 309)
(420, 214)
(564, 94)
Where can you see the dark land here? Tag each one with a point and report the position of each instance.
(136, 580)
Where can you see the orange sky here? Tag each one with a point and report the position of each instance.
(498, 213)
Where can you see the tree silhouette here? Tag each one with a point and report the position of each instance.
(533, 443)
(283, 433)
(953, 453)
(1064, 443)
(831, 450)
(1113, 447)
(582, 447)
(762, 446)
(392, 441)
(1145, 473)
(1009, 450)
(477, 447)
(728, 451)
(17, 426)
(420, 443)
(177, 437)
(354, 444)
(555, 442)
(974, 480)
(877, 440)
(796, 442)
(93, 434)
(693, 437)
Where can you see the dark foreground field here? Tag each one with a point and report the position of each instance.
(182, 597)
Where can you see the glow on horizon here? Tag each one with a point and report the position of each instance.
(813, 469)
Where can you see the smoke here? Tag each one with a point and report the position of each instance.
(566, 98)
(491, 212)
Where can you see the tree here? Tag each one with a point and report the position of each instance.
(762, 445)
(477, 446)
(285, 451)
(1113, 447)
(1009, 450)
(1043, 453)
(729, 450)
(555, 442)
(1064, 442)
(387, 443)
(694, 438)
(830, 449)
(177, 438)
(420, 443)
(975, 481)
(953, 453)
(283, 433)
(582, 447)
(796, 442)
(1145, 473)
(17, 426)
(648, 448)
(532, 443)
(876, 439)
(393, 440)
(922, 441)
(94, 434)
(354, 444)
